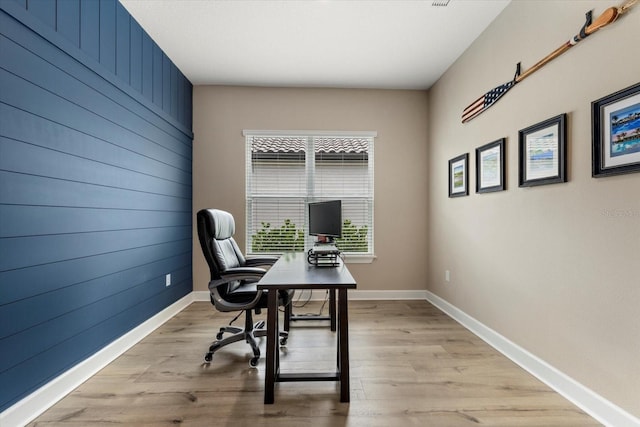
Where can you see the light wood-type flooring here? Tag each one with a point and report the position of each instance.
(411, 365)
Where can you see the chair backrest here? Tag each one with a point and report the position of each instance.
(215, 232)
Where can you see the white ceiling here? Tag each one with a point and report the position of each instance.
(390, 44)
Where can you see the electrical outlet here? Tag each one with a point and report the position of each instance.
(167, 280)
(447, 275)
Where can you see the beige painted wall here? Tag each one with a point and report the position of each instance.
(553, 268)
(399, 117)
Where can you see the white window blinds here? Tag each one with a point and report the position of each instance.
(284, 172)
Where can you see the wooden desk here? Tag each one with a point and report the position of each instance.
(292, 271)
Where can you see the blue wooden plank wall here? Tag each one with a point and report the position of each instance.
(95, 184)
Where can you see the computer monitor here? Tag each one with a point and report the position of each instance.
(325, 220)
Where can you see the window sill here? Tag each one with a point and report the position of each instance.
(358, 259)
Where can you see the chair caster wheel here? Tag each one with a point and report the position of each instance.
(283, 341)
(219, 336)
(208, 357)
(254, 361)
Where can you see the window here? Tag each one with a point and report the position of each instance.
(287, 171)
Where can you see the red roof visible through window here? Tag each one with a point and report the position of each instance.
(298, 144)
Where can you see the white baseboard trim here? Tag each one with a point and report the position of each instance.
(387, 295)
(595, 405)
(36, 403)
(201, 295)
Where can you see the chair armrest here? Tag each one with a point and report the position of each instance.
(247, 274)
(261, 260)
(252, 274)
(224, 305)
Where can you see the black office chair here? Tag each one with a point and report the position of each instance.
(233, 282)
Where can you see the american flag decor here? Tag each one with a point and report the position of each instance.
(485, 101)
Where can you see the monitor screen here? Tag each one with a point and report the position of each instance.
(325, 218)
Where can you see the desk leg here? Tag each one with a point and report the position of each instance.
(332, 309)
(343, 345)
(272, 346)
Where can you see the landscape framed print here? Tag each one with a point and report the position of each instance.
(490, 167)
(542, 152)
(459, 176)
(615, 133)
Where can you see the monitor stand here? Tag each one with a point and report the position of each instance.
(324, 255)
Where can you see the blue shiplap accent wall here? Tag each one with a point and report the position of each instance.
(95, 184)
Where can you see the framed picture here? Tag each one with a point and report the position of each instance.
(615, 133)
(490, 167)
(459, 176)
(542, 152)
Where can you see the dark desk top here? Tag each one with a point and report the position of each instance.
(292, 271)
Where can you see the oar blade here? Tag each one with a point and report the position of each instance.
(485, 101)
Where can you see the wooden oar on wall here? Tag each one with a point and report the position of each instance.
(488, 99)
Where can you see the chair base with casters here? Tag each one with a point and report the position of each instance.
(249, 333)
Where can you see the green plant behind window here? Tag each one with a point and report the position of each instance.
(354, 238)
(286, 238)
(289, 238)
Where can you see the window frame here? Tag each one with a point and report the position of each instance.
(353, 257)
